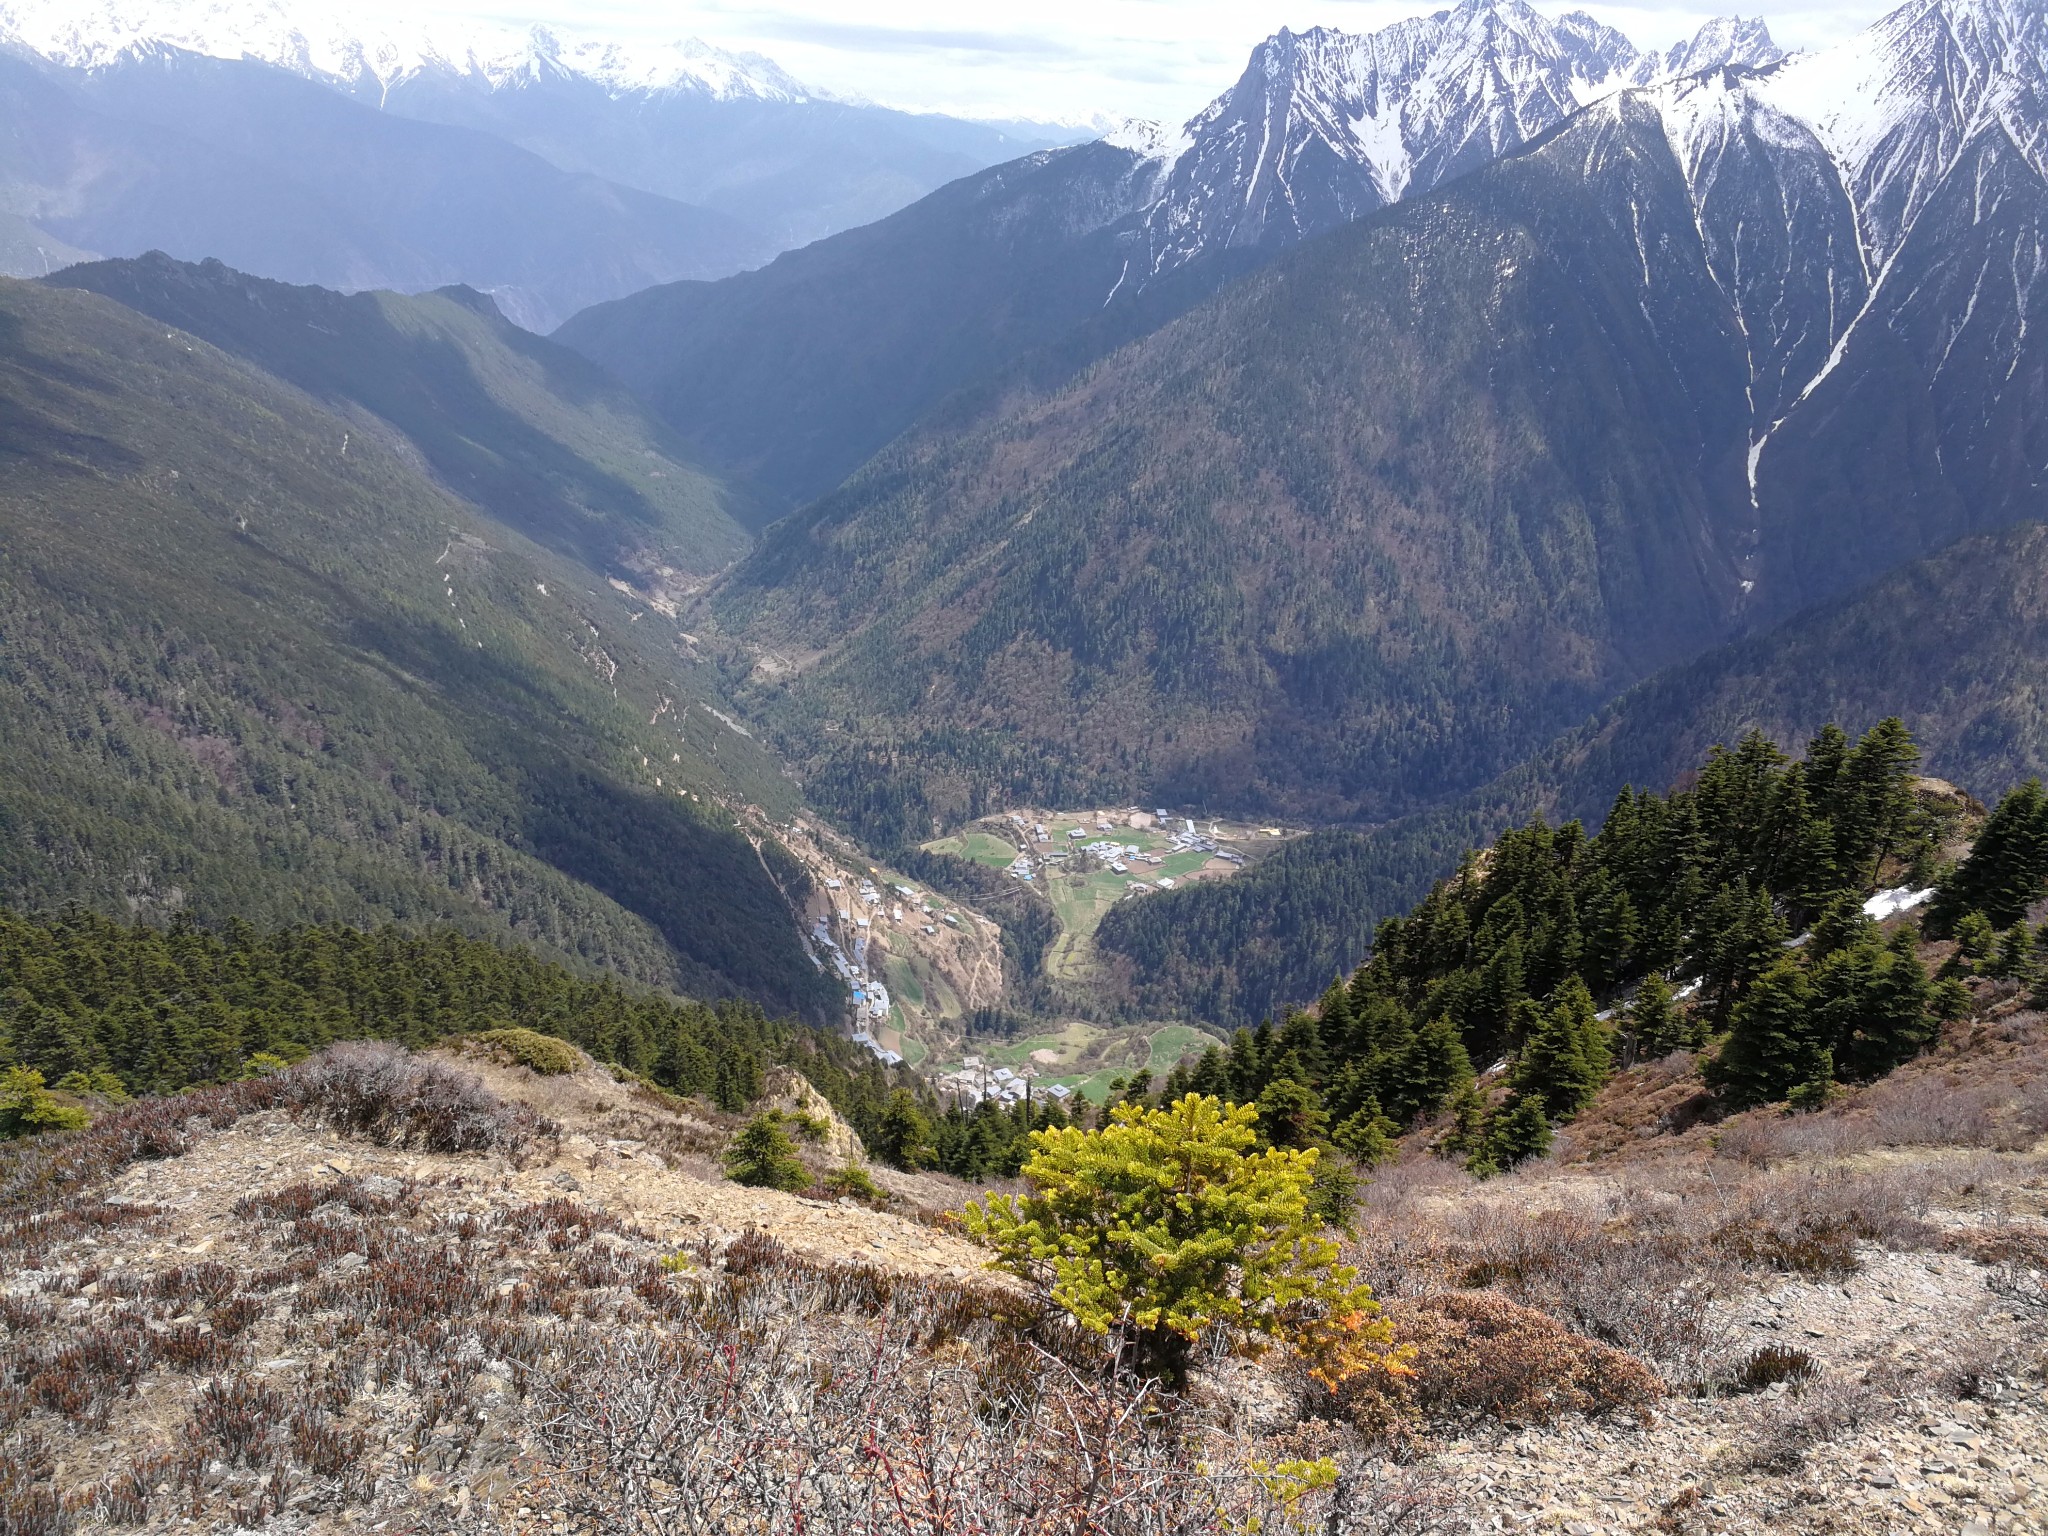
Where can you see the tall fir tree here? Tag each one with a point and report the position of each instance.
(1740, 935)
(1656, 1024)
(1516, 1131)
(1872, 806)
(2006, 871)
(1896, 1017)
(1565, 1059)
(1774, 1043)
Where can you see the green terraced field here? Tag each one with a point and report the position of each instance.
(1175, 1041)
(1079, 901)
(903, 981)
(982, 847)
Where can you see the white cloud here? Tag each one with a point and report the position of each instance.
(1069, 60)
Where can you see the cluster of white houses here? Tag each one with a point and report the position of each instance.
(881, 1053)
(1118, 856)
(978, 1081)
(840, 943)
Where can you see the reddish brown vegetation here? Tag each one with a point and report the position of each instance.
(1476, 1354)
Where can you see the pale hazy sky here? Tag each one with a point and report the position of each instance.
(1070, 59)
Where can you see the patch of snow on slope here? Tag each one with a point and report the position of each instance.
(1149, 140)
(1891, 903)
(1851, 94)
(1379, 140)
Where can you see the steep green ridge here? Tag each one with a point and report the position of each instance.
(528, 430)
(1956, 645)
(254, 664)
(1336, 544)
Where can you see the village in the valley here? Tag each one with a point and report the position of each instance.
(918, 965)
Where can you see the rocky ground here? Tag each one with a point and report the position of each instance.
(1930, 1415)
(296, 1326)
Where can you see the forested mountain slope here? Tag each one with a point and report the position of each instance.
(254, 663)
(1679, 915)
(1359, 533)
(1956, 645)
(82, 994)
(529, 431)
(1355, 534)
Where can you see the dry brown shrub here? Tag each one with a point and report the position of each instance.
(1812, 1221)
(1922, 1109)
(383, 1094)
(1478, 1355)
(28, 1499)
(1999, 1242)
(1819, 1409)
(720, 1424)
(1770, 1364)
(1819, 1246)
(1631, 1274)
(2030, 1109)
(1978, 1367)
(1987, 1088)
(2020, 1278)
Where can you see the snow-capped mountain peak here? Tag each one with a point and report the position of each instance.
(1724, 42)
(1900, 102)
(1324, 125)
(361, 54)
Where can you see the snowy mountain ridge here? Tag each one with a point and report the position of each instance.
(1808, 174)
(369, 57)
(1898, 103)
(1325, 126)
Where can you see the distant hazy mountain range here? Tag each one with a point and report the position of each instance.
(552, 172)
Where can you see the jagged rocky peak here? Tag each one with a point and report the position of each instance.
(1148, 139)
(1723, 43)
(1324, 125)
(338, 48)
(1900, 103)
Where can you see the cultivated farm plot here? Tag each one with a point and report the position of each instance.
(981, 847)
(1080, 897)
(1081, 888)
(1175, 1042)
(1160, 1050)
(903, 981)
(1079, 902)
